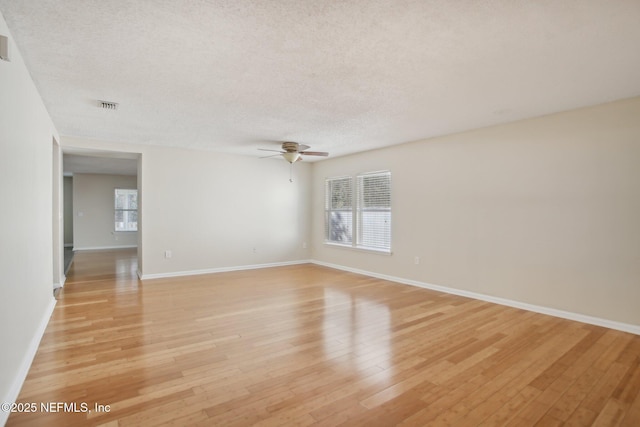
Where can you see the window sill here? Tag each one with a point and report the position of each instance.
(360, 248)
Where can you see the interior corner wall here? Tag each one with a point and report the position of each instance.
(542, 211)
(26, 258)
(93, 212)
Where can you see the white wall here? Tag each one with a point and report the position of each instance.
(215, 211)
(26, 141)
(543, 211)
(93, 212)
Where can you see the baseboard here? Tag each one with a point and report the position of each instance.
(625, 327)
(23, 370)
(61, 283)
(220, 269)
(99, 248)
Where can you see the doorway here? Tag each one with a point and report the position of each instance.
(89, 178)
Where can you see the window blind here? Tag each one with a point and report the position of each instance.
(374, 210)
(338, 210)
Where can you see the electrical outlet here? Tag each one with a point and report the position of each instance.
(168, 254)
(416, 260)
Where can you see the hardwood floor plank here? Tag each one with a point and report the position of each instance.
(582, 417)
(308, 345)
(629, 386)
(632, 416)
(611, 414)
(603, 389)
(511, 407)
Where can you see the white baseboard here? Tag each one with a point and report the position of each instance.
(625, 327)
(61, 283)
(220, 269)
(23, 370)
(98, 248)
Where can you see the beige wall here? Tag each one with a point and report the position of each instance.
(544, 211)
(93, 212)
(215, 211)
(26, 141)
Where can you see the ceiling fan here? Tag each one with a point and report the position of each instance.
(293, 152)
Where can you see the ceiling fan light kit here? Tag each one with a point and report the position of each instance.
(291, 156)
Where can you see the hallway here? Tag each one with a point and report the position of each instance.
(120, 265)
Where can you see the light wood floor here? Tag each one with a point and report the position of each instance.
(307, 345)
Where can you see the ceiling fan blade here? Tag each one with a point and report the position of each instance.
(315, 153)
(302, 147)
(266, 157)
(266, 149)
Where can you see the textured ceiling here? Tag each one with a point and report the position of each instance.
(340, 76)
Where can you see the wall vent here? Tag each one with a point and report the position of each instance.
(4, 48)
(108, 105)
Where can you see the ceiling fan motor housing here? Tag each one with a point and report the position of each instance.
(290, 147)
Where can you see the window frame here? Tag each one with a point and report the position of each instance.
(356, 209)
(125, 211)
(329, 210)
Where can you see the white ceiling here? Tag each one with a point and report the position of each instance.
(340, 76)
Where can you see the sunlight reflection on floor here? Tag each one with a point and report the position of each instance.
(357, 327)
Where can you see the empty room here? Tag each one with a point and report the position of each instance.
(322, 213)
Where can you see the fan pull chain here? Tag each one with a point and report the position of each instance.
(290, 172)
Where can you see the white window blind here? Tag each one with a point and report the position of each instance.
(339, 210)
(374, 210)
(126, 209)
(367, 210)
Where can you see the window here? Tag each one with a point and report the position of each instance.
(374, 210)
(372, 207)
(126, 210)
(338, 210)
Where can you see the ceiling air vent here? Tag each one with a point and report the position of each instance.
(108, 105)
